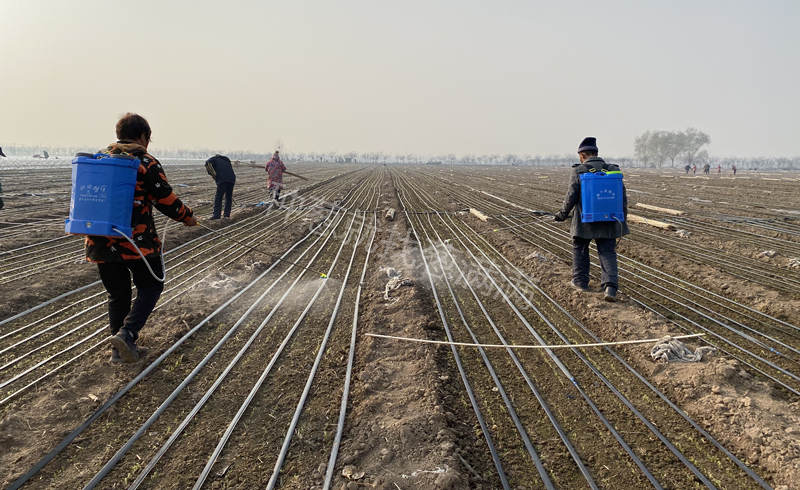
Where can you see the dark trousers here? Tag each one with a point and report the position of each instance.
(606, 249)
(223, 189)
(116, 277)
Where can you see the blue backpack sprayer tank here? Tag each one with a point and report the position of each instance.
(102, 197)
(601, 196)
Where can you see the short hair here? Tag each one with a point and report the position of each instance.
(132, 126)
(590, 153)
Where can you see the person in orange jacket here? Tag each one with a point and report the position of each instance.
(117, 260)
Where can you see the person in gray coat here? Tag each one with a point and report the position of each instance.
(604, 233)
(219, 167)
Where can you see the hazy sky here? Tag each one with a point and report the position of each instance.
(413, 76)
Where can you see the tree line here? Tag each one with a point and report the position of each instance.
(652, 148)
(655, 148)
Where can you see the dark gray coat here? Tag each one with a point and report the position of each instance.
(601, 229)
(221, 168)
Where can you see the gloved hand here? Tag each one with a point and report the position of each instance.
(190, 222)
(559, 216)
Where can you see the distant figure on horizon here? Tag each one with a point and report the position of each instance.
(275, 169)
(706, 168)
(219, 167)
(604, 233)
(733, 167)
(719, 169)
(694, 169)
(687, 168)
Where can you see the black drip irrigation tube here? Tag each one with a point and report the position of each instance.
(82, 427)
(714, 334)
(470, 394)
(630, 368)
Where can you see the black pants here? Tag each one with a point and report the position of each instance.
(116, 277)
(606, 249)
(223, 189)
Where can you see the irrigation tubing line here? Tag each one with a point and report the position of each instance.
(597, 373)
(498, 384)
(254, 249)
(169, 300)
(200, 365)
(470, 394)
(337, 440)
(535, 346)
(31, 337)
(151, 464)
(633, 297)
(95, 283)
(553, 357)
(189, 417)
(265, 373)
(273, 480)
(715, 334)
(630, 368)
(594, 408)
(542, 402)
(705, 291)
(97, 413)
(742, 334)
(619, 439)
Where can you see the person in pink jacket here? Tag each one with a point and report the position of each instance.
(275, 169)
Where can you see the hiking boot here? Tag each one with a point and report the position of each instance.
(580, 287)
(610, 294)
(115, 359)
(125, 346)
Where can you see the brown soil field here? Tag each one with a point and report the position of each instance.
(259, 369)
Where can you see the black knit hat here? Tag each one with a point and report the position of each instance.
(588, 144)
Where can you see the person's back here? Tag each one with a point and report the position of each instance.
(119, 260)
(220, 168)
(604, 233)
(223, 169)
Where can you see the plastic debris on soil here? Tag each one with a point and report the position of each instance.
(396, 281)
(536, 255)
(669, 349)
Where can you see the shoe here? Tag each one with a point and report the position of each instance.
(610, 294)
(214, 217)
(580, 287)
(125, 346)
(115, 359)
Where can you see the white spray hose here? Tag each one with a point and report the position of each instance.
(144, 259)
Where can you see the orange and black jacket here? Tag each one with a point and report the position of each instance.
(152, 189)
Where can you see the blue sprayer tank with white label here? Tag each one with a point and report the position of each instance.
(102, 194)
(601, 197)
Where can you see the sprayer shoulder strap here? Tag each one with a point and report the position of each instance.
(210, 168)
